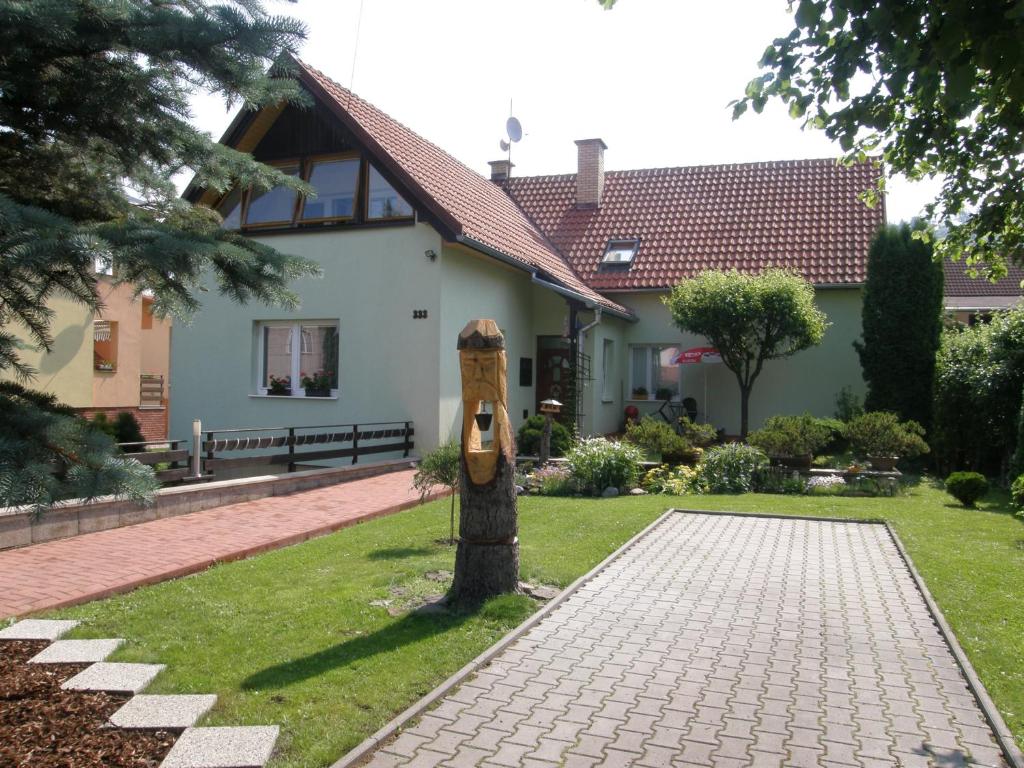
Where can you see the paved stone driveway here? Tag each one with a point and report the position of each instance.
(722, 641)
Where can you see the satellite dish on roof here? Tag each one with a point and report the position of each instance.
(505, 146)
(514, 128)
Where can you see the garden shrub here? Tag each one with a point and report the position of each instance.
(1017, 494)
(658, 439)
(979, 377)
(697, 435)
(778, 480)
(674, 481)
(791, 436)
(553, 481)
(848, 405)
(124, 428)
(880, 433)
(596, 464)
(731, 468)
(528, 439)
(967, 487)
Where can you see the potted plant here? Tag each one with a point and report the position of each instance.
(664, 393)
(318, 385)
(279, 386)
(792, 441)
(884, 439)
(639, 393)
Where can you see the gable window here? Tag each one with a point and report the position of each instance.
(653, 369)
(382, 201)
(230, 209)
(348, 190)
(620, 251)
(335, 182)
(294, 356)
(275, 206)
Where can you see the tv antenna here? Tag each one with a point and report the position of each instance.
(513, 131)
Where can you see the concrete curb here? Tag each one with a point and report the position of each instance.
(363, 750)
(1004, 737)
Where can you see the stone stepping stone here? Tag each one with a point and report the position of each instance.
(246, 747)
(163, 712)
(37, 629)
(76, 651)
(115, 678)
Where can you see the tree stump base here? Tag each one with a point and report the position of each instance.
(493, 569)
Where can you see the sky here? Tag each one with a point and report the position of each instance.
(653, 78)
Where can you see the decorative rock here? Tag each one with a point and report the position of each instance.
(638, 492)
(246, 747)
(37, 629)
(115, 678)
(167, 712)
(76, 651)
(610, 493)
(544, 592)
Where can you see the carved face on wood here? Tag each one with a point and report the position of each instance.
(484, 380)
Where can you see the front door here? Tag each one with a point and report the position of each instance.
(554, 369)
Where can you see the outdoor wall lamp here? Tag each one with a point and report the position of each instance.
(430, 254)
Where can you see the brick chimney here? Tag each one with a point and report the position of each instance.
(501, 170)
(590, 173)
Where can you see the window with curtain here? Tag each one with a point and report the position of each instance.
(290, 352)
(652, 367)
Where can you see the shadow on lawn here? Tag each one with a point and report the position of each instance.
(412, 628)
(398, 553)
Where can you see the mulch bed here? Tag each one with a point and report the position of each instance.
(44, 727)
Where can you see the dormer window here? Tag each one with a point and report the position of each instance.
(620, 251)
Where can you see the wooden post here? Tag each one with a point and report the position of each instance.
(487, 558)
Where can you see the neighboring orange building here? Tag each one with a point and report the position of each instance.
(131, 351)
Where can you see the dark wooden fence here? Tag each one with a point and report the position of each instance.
(167, 452)
(282, 444)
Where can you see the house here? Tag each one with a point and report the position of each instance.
(573, 268)
(107, 362)
(973, 299)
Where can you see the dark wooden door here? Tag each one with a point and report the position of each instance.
(554, 369)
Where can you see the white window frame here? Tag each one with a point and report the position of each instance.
(295, 348)
(621, 251)
(607, 370)
(649, 383)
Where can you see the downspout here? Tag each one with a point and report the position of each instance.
(580, 339)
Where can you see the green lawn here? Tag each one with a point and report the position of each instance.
(290, 637)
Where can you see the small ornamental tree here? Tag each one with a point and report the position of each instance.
(440, 467)
(902, 324)
(750, 319)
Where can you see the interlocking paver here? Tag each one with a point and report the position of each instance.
(721, 641)
(75, 570)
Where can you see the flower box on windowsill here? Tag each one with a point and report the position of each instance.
(313, 392)
(279, 393)
(105, 367)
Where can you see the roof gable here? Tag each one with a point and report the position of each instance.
(803, 215)
(959, 283)
(473, 209)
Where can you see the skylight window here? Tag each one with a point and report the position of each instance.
(620, 251)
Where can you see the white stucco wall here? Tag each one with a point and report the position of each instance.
(372, 281)
(808, 381)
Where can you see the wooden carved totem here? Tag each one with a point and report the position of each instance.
(487, 558)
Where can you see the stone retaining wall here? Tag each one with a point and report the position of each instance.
(21, 526)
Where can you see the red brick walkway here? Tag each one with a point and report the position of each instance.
(83, 568)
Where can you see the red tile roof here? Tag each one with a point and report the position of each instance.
(959, 283)
(474, 207)
(804, 215)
